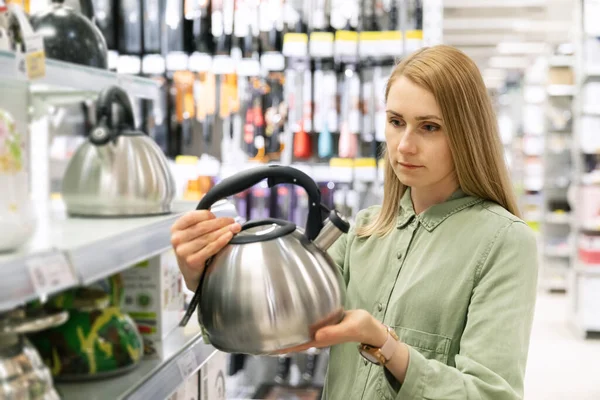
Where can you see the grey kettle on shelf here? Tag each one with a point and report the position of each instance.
(273, 286)
(118, 171)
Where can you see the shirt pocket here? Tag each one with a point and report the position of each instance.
(432, 346)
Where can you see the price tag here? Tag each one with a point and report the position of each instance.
(223, 65)
(50, 273)
(32, 63)
(129, 65)
(177, 61)
(346, 43)
(248, 67)
(153, 64)
(368, 43)
(295, 45)
(273, 61)
(414, 40)
(187, 364)
(200, 62)
(321, 44)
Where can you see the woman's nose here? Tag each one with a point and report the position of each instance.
(407, 144)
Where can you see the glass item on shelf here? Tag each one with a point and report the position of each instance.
(70, 36)
(24, 375)
(97, 341)
(17, 220)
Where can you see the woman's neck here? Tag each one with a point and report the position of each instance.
(425, 197)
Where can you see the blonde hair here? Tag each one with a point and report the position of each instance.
(470, 123)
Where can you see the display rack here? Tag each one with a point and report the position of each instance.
(67, 252)
(584, 277)
(558, 171)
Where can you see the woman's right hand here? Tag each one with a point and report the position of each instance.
(197, 236)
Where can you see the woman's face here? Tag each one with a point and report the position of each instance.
(417, 144)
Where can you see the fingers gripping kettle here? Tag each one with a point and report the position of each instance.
(273, 286)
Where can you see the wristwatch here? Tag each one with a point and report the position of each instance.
(380, 355)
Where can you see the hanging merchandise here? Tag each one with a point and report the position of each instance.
(17, 215)
(70, 36)
(350, 112)
(302, 139)
(179, 35)
(380, 78)
(97, 341)
(152, 26)
(246, 26)
(345, 14)
(325, 112)
(271, 25)
(222, 25)
(414, 28)
(228, 106)
(98, 179)
(275, 115)
(130, 27)
(106, 20)
(367, 126)
(24, 375)
(185, 109)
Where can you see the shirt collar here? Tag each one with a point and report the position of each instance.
(436, 214)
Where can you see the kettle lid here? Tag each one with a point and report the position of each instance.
(263, 230)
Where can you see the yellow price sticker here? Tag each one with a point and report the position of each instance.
(346, 36)
(415, 35)
(321, 37)
(295, 38)
(370, 36)
(35, 65)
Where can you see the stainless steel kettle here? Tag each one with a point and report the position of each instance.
(273, 286)
(118, 171)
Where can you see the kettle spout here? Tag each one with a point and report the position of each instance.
(335, 226)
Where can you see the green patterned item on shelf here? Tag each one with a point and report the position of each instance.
(97, 341)
(11, 145)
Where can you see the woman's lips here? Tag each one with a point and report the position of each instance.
(409, 166)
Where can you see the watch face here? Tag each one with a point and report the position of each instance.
(369, 356)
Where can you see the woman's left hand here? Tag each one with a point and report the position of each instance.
(358, 326)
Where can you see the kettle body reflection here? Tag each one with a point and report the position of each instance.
(273, 286)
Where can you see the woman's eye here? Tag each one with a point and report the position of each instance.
(395, 123)
(431, 128)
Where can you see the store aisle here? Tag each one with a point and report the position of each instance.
(562, 366)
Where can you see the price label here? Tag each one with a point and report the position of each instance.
(321, 44)
(200, 62)
(187, 364)
(50, 273)
(31, 61)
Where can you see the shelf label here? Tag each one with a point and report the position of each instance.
(50, 273)
(187, 364)
(295, 45)
(321, 44)
(31, 60)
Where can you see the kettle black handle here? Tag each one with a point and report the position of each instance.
(276, 175)
(110, 96)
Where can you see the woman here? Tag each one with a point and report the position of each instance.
(441, 279)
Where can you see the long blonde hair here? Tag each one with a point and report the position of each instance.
(470, 123)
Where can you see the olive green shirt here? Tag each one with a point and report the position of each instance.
(458, 285)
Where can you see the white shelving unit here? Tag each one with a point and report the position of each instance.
(584, 279)
(80, 251)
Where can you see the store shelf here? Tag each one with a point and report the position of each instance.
(90, 249)
(155, 378)
(67, 79)
(557, 252)
(562, 61)
(558, 218)
(561, 90)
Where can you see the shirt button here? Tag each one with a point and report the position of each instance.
(399, 255)
(366, 362)
(380, 307)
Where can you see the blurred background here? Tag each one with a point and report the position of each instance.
(89, 306)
